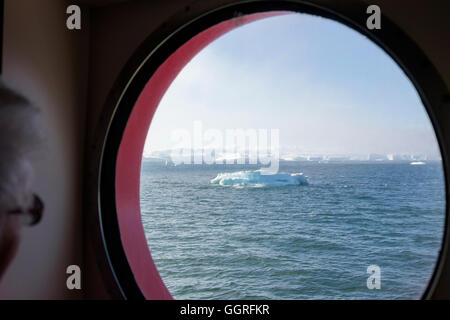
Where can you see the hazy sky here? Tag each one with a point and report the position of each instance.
(327, 89)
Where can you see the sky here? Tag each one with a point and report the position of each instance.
(327, 88)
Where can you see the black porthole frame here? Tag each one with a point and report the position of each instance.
(174, 33)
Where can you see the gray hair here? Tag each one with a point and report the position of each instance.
(20, 132)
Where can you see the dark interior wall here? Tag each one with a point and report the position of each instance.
(427, 23)
(48, 63)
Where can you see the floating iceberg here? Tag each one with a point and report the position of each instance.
(257, 179)
(417, 163)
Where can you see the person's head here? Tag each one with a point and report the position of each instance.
(20, 132)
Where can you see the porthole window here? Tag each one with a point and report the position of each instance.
(263, 152)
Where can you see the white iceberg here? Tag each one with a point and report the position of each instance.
(417, 163)
(257, 179)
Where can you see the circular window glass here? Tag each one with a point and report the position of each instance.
(292, 158)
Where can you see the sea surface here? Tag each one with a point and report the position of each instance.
(311, 240)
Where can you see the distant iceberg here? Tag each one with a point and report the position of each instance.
(417, 163)
(256, 179)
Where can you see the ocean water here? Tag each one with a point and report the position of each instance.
(311, 240)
